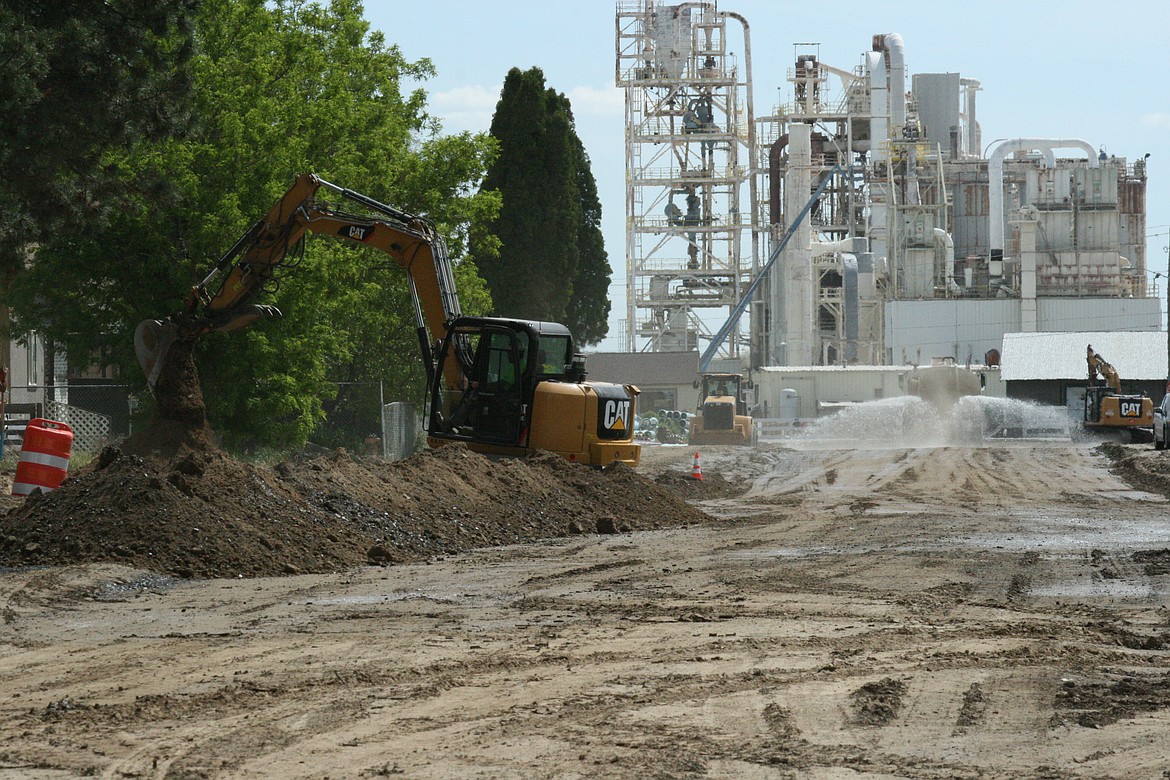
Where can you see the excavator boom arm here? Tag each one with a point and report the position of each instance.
(253, 260)
(1098, 365)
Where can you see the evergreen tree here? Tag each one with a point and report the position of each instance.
(81, 78)
(551, 263)
(588, 311)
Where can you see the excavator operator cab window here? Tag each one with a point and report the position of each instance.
(502, 361)
(489, 406)
(553, 356)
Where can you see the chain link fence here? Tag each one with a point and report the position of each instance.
(353, 420)
(356, 419)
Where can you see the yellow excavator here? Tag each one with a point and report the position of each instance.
(722, 417)
(1108, 409)
(502, 386)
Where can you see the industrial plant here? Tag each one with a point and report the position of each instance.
(864, 221)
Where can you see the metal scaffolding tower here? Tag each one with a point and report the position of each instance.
(686, 135)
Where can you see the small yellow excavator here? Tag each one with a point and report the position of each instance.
(722, 417)
(1108, 409)
(501, 386)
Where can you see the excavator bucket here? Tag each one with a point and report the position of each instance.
(153, 338)
(152, 341)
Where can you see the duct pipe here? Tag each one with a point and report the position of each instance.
(879, 135)
(974, 136)
(849, 285)
(775, 154)
(775, 157)
(995, 215)
(913, 195)
(800, 308)
(851, 245)
(865, 282)
(943, 237)
(1028, 310)
(879, 109)
(895, 50)
(753, 165)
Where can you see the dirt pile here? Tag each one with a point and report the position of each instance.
(1140, 465)
(712, 485)
(188, 509)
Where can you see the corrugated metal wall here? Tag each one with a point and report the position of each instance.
(1086, 314)
(917, 331)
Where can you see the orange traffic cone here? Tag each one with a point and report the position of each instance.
(696, 472)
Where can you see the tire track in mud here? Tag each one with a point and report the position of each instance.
(748, 648)
(663, 700)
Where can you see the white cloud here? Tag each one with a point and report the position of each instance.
(594, 101)
(465, 108)
(471, 107)
(1157, 120)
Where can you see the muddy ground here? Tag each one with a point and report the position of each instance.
(807, 611)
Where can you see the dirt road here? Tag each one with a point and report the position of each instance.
(991, 612)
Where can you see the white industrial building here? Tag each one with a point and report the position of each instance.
(859, 223)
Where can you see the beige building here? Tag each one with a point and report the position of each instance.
(666, 379)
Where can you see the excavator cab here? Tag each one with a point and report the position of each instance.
(494, 407)
(496, 364)
(513, 387)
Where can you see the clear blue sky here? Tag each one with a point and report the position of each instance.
(1047, 69)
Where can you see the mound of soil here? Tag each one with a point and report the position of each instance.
(171, 502)
(712, 485)
(1140, 465)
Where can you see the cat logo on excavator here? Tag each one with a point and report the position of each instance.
(617, 415)
(1131, 408)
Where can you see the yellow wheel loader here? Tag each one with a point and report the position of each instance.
(722, 415)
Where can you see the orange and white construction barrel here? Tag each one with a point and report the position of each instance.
(44, 457)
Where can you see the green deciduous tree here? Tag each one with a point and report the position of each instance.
(281, 88)
(551, 262)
